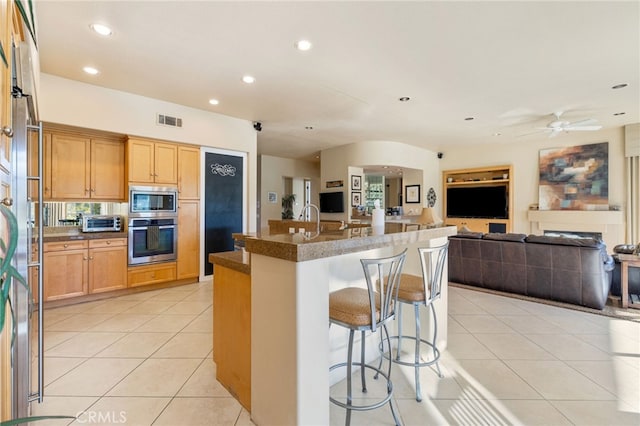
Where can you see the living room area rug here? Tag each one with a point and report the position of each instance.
(611, 309)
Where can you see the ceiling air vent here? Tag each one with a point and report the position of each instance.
(167, 120)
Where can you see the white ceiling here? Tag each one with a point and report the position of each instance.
(509, 65)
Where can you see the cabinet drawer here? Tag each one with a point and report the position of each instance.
(65, 245)
(108, 242)
(141, 275)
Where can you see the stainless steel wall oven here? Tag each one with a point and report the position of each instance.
(153, 220)
(152, 240)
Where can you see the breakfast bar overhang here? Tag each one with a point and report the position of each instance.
(292, 345)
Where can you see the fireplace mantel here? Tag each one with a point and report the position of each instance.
(608, 222)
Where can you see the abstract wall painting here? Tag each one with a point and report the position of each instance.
(574, 178)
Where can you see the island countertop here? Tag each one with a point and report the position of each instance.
(301, 247)
(238, 260)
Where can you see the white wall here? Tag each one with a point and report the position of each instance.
(273, 171)
(74, 103)
(524, 155)
(335, 163)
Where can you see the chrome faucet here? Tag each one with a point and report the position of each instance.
(308, 205)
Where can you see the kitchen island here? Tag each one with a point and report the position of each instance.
(292, 346)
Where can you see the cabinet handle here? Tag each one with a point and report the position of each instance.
(84, 258)
(90, 257)
(7, 201)
(7, 131)
(66, 245)
(108, 242)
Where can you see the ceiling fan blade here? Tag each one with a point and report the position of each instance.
(572, 128)
(584, 122)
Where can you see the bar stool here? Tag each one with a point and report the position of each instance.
(417, 291)
(360, 309)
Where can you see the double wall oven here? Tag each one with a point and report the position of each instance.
(153, 217)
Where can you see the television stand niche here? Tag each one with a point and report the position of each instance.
(489, 205)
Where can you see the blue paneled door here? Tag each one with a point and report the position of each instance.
(223, 198)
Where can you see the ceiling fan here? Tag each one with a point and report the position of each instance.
(559, 125)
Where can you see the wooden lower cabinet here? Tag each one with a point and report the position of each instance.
(152, 274)
(232, 332)
(65, 269)
(76, 268)
(107, 265)
(188, 239)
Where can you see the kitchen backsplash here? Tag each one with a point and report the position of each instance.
(64, 214)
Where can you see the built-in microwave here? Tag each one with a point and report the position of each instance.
(152, 201)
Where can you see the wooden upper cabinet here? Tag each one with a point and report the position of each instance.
(188, 173)
(78, 167)
(107, 170)
(70, 162)
(152, 162)
(166, 163)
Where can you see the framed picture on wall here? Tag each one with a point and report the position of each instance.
(356, 183)
(273, 197)
(412, 194)
(355, 199)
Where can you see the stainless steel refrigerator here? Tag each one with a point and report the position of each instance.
(26, 204)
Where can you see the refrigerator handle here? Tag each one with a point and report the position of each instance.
(38, 261)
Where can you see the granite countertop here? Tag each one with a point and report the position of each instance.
(238, 260)
(73, 236)
(309, 246)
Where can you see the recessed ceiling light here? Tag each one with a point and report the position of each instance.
(101, 29)
(620, 86)
(497, 134)
(248, 79)
(619, 113)
(303, 45)
(90, 70)
(214, 101)
(404, 99)
(468, 118)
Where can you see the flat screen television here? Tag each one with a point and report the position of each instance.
(332, 202)
(487, 202)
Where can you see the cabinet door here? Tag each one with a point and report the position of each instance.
(166, 163)
(188, 239)
(107, 170)
(107, 268)
(65, 274)
(140, 158)
(70, 162)
(188, 173)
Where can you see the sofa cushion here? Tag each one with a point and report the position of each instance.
(505, 237)
(563, 241)
(473, 235)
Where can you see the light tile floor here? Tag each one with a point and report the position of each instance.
(146, 359)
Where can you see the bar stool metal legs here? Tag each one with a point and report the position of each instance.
(370, 309)
(421, 291)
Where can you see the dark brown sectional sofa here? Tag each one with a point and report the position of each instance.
(570, 270)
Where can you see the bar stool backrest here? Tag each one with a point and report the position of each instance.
(432, 260)
(383, 278)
